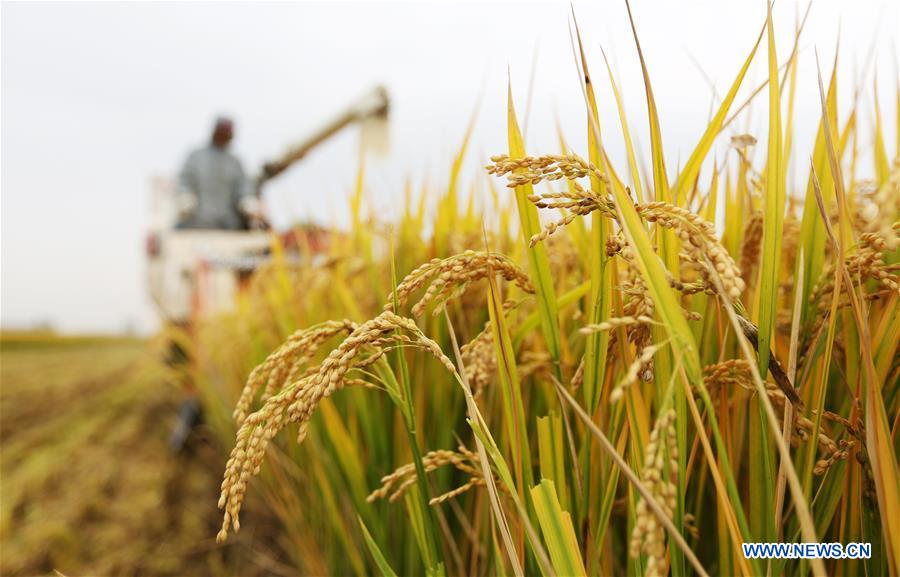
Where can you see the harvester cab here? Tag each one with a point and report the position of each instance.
(196, 273)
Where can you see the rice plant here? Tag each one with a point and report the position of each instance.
(603, 371)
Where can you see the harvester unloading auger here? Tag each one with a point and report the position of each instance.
(195, 273)
(373, 105)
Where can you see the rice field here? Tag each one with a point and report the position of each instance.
(587, 368)
(593, 369)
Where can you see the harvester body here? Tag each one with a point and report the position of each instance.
(197, 273)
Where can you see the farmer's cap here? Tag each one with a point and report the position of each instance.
(224, 122)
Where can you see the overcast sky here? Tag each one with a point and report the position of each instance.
(99, 98)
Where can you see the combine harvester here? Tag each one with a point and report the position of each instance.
(194, 274)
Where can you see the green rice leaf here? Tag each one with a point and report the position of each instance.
(380, 561)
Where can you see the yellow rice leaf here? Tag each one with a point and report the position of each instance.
(552, 453)
(690, 171)
(556, 525)
(774, 212)
(626, 134)
(882, 165)
(537, 254)
(600, 297)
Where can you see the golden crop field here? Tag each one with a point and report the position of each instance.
(593, 369)
(590, 377)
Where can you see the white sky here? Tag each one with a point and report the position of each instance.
(99, 98)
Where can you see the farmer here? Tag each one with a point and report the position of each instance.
(213, 192)
(213, 195)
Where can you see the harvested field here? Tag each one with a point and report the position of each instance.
(89, 485)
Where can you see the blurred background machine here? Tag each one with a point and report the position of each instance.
(196, 273)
